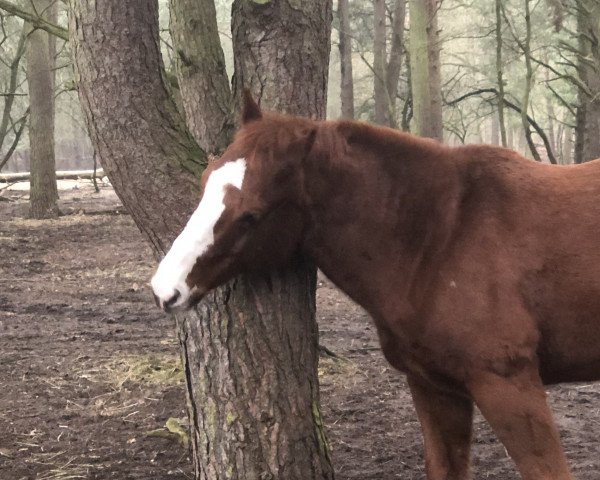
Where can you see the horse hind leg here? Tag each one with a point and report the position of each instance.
(516, 409)
(446, 421)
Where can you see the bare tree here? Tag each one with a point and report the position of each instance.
(9, 125)
(40, 77)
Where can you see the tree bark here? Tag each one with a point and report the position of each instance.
(528, 83)
(395, 59)
(425, 69)
(151, 160)
(588, 128)
(552, 135)
(257, 412)
(379, 63)
(272, 41)
(494, 131)
(40, 77)
(500, 73)
(345, 45)
(567, 146)
(250, 352)
(203, 80)
(387, 73)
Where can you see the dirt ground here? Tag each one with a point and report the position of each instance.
(89, 366)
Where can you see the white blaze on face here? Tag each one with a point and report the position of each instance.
(197, 236)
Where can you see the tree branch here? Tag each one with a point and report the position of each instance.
(514, 107)
(35, 20)
(18, 132)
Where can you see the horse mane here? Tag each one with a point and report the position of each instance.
(274, 132)
(376, 136)
(391, 148)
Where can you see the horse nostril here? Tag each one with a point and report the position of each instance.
(171, 301)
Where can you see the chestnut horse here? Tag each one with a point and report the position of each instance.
(481, 269)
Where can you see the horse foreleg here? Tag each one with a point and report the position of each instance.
(446, 421)
(516, 409)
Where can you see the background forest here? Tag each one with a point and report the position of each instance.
(491, 54)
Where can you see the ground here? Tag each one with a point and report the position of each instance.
(89, 371)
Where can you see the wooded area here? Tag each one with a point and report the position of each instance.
(151, 90)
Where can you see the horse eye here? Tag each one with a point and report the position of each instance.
(248, 218)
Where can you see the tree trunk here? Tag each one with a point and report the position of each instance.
(40, 74)
(250, 353)
(499, 73)
(257, 413)
(494, 131)
(277, 69)
(395, 60)
(379, 63)
(203, 80)
(588, 132)
(152, 162)
(567, 146)
(510, 138)
(425, 69)
(528, 83)
(51, 14)
(345, 45)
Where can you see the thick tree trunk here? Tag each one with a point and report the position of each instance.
(425, 69)
(203, 80)
(272, 42)
(252, 380)
(151, 160)
(257, 412)
(250, 353)
(40, 77)
(345, 45)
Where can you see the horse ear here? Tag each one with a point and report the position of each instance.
(250, 109)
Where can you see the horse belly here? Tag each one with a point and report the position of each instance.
(572, 357)
(569, 346)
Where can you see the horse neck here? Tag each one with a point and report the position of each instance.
(382, 207)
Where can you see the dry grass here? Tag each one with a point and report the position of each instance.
(150, 369)
(336, 370)
(67, 471)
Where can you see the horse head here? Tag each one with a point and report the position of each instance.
(251, 214)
